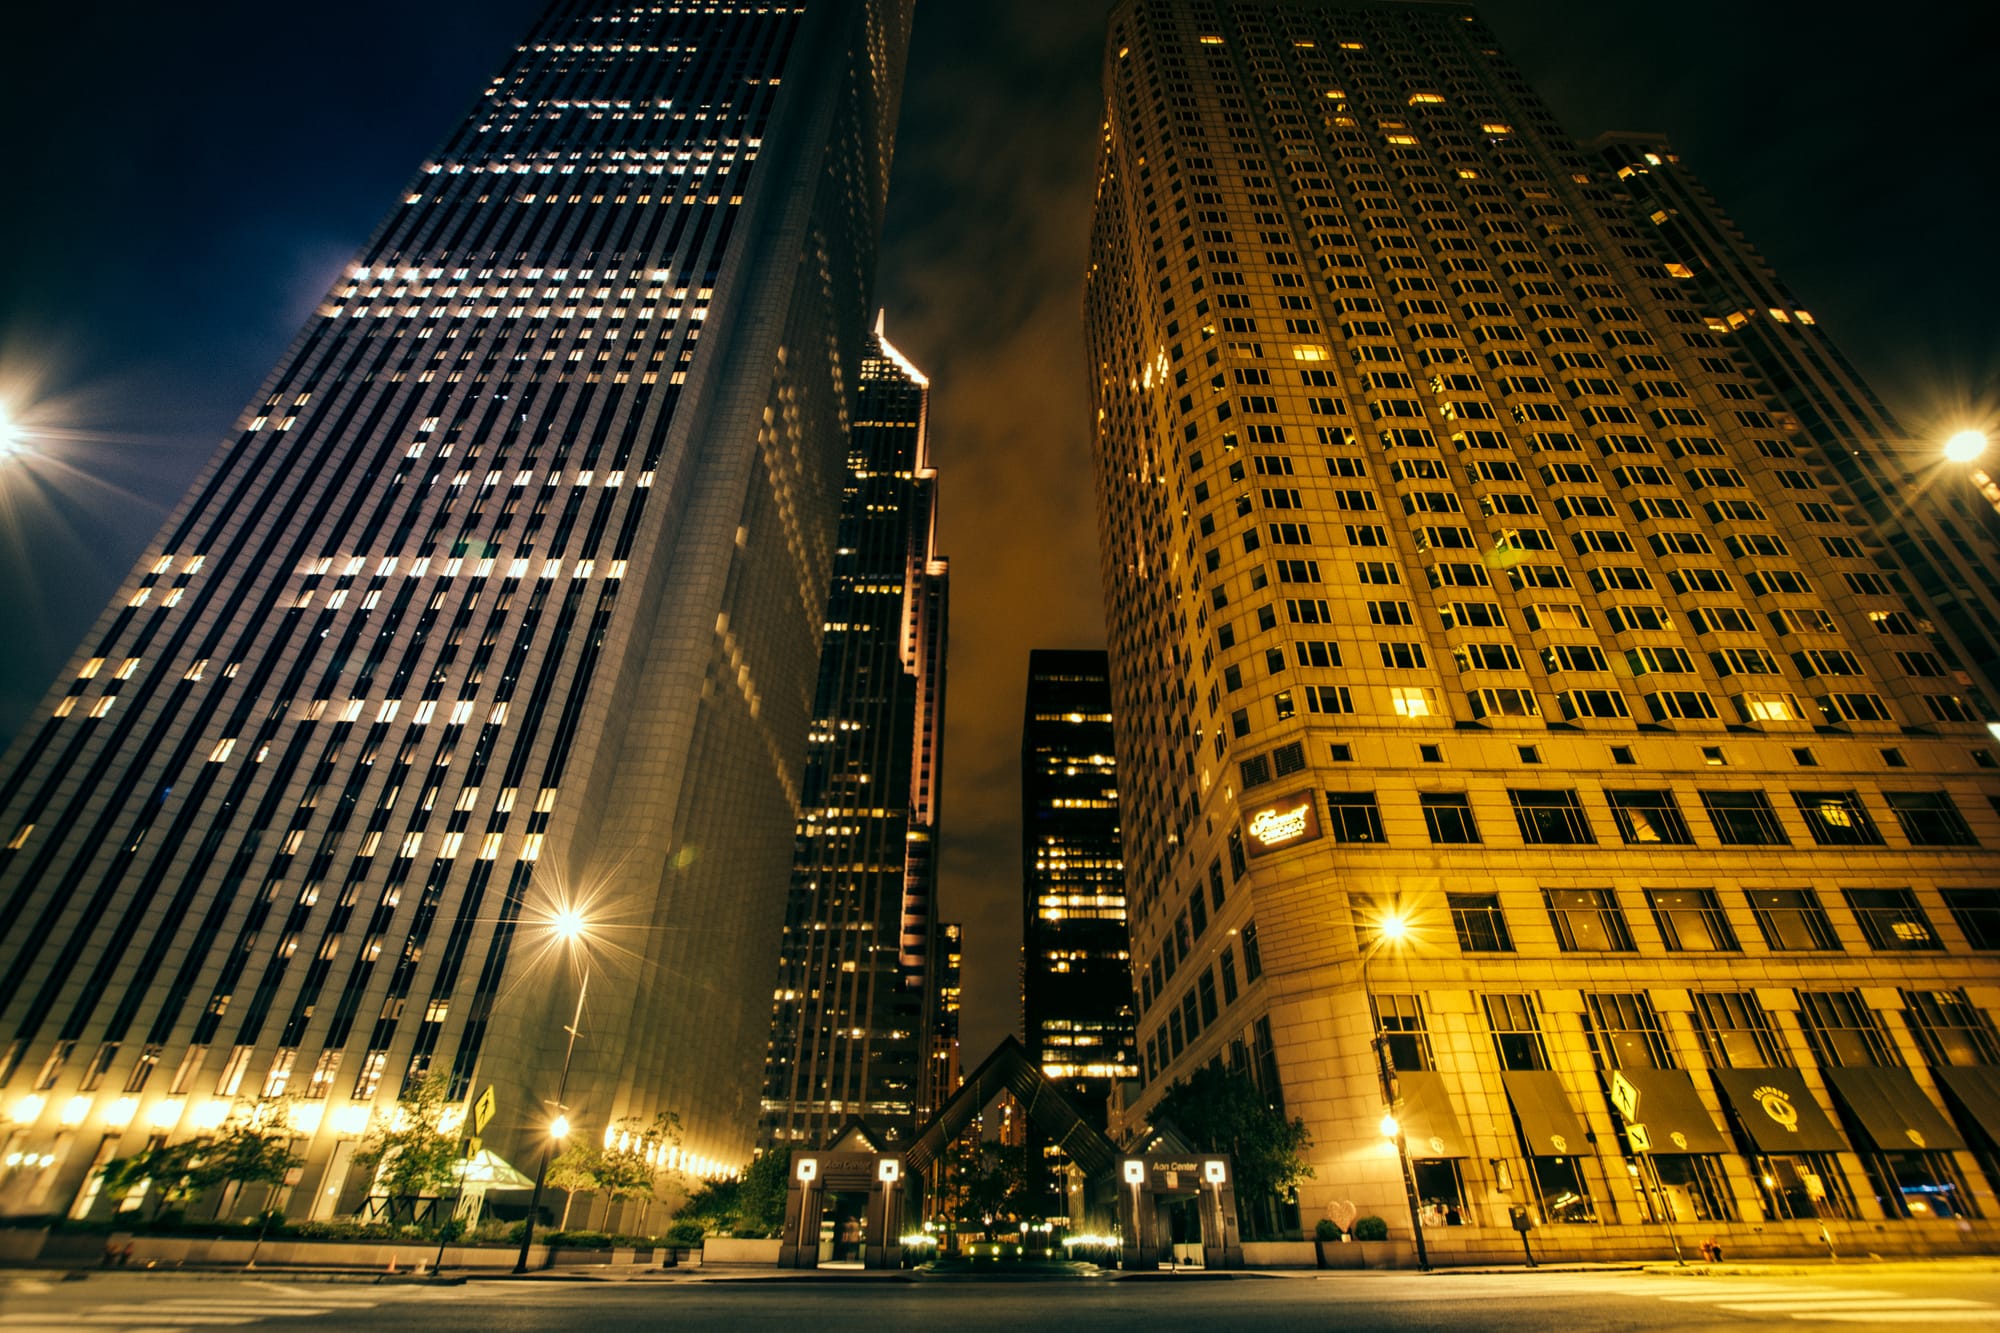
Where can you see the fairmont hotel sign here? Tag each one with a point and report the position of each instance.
(1282, 823)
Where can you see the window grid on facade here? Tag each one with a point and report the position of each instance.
(1480, 925)
(1930, 819)
(1353, 816)
(1588, 920)
(1837, 818)
(1625, 1032)
(1448, 818)
(1977, 912)
(1399, 1021)
(1744, 819)
(1792, 920)
(1550, 816)
(1649, 816)
(1841, 1029)
(1735, 1031)
(1891, 920)
(1516, 1029)
(1692, 920)
(1950, 1029)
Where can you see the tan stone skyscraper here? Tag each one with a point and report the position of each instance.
(1469, 580)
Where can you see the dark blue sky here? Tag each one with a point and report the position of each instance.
(182, 183)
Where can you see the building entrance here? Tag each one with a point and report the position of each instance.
(847, 1202)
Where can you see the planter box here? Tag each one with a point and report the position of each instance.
(1279, 1254)
(727, 1251)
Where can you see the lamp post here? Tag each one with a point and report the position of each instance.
(1394, 928)
(569, 928)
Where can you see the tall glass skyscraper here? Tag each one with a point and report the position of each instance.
(503, 598)
(851, 1031)
(1533, 655)
(1076, 975)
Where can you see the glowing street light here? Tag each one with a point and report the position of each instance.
(13, 436)
(568, 925)
(1393, 928)
(1966, 446)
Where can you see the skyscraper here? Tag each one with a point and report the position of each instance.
(852, 1021)
(503, 599)
(1076, 977)
(1535, 704)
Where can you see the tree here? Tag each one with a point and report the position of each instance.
(1222, 1110)
(760, 1194)
(717, 1206)
(574, 1169)
(408, 1148)
(253, 1147)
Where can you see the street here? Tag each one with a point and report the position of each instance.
(1852, 1296)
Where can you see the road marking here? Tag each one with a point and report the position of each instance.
(1819, 1305)
(1912, 1317)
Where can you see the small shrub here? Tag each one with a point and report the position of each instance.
(1371, 1228)
(686, 1234)
(1324, 1229)
(579, 1240)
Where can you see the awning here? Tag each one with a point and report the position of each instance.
(1671, 1110)
(1893, 1110)
(1778, 1111)
(1548, 1124)
(1976, 1088)
(1430, 1126)
(486, 1170)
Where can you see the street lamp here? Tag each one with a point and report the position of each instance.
(1393, 927)
(1966, 448)
(569, 928)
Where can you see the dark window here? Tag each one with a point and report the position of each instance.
(1744, 819)
(1206, 986)
(1256, 772)
(1792, 919)
(1929, 819)
(1288, 759)
(1691, 920)
(1353, 816)
(1840, 1029)
(1838, 819)
(1891, 919)
(1399, 1021)
(1649, 817)
(1517, 1035)
(1735, 1031)
(1588, 920)
(1477, 919)
(1977, 912)
(1253, 961)
(1951, 1030)
(1550, 816)
(1448, 816)
(1229, 976)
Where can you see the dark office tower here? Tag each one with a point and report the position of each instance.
(1464, 582)
(947, 1071)
(1076, 977)
(1939, 529)
(503, 598)
(851, 1025)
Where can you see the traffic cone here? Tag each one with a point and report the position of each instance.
(392, 1263)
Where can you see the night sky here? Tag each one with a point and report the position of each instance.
(182, 183)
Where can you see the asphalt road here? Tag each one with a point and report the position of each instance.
(1571, 1302)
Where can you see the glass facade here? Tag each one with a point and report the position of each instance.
(502, 599)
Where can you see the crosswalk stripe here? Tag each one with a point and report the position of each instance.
(1823, 1294)
(1815, 1307)
(1910, 1317)
(1749, 1289)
